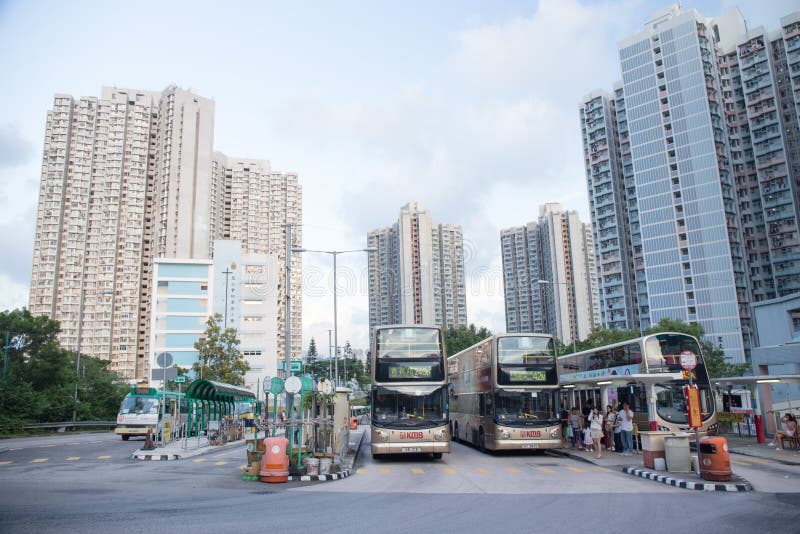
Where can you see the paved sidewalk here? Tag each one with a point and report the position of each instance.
(747, 445)
(180, 449)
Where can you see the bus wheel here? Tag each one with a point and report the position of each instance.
(437, 455)
(481, 441)
(126, 437)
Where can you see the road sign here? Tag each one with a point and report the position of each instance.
(293, 384)
(164, 359)
(296, 366)
(267, 384)
(276, 385)
(688, 360)
(169, 373)
(180, 379)
(693, 405)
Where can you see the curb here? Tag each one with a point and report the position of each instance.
(339, 475)
(678, 483)
(751, 455)
(155, 457)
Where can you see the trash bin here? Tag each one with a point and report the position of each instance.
(275, 462)
(715, 463)
(677, 454)
(652, 446)
(354, 423)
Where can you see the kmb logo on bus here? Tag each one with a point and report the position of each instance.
(411, 435)
(531, 433)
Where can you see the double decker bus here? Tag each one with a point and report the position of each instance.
(504, 393)
(409, 411)
(141, 412)
(646, 373)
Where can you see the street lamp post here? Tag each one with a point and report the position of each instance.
(572, 327)
(335, 253)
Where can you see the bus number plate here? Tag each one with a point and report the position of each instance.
(411, 449)
(529, 445)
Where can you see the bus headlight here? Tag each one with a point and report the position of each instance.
(384, 436)
(438, 435)
(506, 434)
(554, 433)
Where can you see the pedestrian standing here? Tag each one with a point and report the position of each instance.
(626, 426)
(575, 425)
(608, 428)
(564, 419)
(596, 431)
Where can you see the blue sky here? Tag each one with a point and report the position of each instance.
(469, 107)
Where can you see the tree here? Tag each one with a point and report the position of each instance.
(220, 357)
(599, 337)
(312, 352)
(458, 339)
(717, 365)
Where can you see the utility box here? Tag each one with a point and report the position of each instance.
(677, 454)
(341, 420)
(653, 446)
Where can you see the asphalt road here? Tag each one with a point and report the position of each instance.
(466, 491)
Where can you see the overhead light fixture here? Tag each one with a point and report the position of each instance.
(768, 381)
(604, 382)
(568, 386)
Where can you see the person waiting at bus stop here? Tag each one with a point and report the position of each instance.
(626, 427)
(575, 423)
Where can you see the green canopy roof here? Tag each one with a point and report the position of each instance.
(217, 391)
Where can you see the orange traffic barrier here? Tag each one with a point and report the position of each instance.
(354, 423)
(275, 462)
(715, 463)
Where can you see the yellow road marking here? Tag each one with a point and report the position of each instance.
(6, 462)
(103, 457)
(756, 461)
(449, 470)
(198, 460)
(39, 460)
(513, 470)
(545, 470)
(362, 470)
(384, 470)
(482, 470)
(73, 458)
(220, 463)
(604, 469)
(576, 469)
(740, 463)
(417, 471)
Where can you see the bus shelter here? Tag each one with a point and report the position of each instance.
(211, 401)
(752, 382)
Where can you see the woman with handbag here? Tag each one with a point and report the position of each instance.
(596, 430)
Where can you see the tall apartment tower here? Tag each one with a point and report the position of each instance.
(127, 178)
(704, 130)
(549, 276)
(417, 274)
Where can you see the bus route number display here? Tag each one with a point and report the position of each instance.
(519, 375)
(692, 395)
(405, 371)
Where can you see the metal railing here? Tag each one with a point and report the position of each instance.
(66, 424)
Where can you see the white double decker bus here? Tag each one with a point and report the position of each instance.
(409, 391)
(503, 393)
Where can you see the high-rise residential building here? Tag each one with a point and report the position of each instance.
(127, 178)
(549, 276)
(699, 149)
(416, 274)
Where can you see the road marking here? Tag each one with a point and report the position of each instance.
(576, 469)
(545, 470)
(73, 458)
(513, 470)
(417, 470)
(45, 446)
(384, 470)
(199, 460)
(755, 461)
(39, 460)
(103, 457)
(603, 469)
(450, 470)
(482, 470)
(6, 462)
(220, 463)
(740, 463)
(362, 470)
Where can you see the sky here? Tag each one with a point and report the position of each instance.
(468, 107)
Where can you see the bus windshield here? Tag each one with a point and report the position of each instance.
(139, 405)
(398, 407)
(524, 407)
(664, 352)
(408, 343)
(526, 360)
(671, 402)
